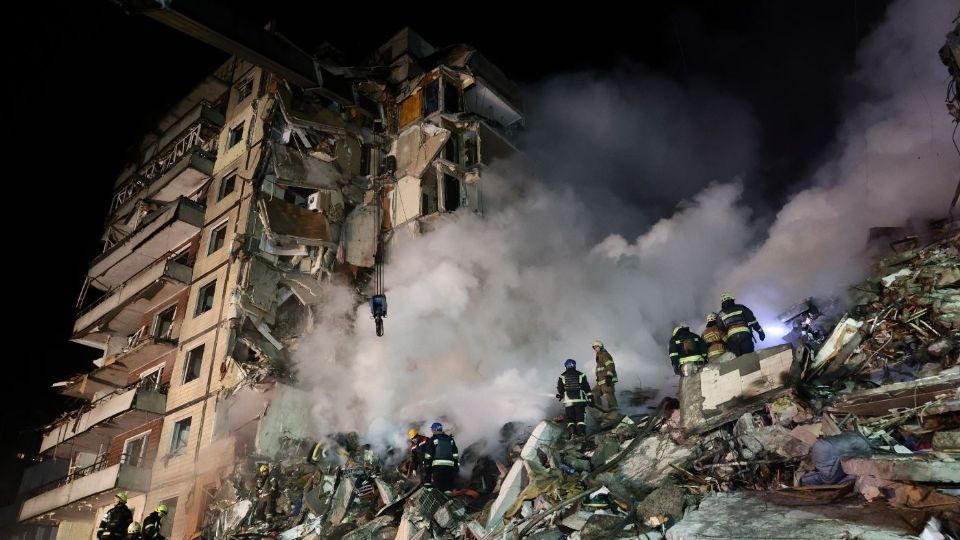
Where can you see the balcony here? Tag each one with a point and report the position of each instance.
(91, 428)
(180, 168)
(160, 233)
(115, 370)
(72, 497)
(120, 312)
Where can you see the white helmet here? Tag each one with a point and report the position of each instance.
(597, 343)
(134, 527)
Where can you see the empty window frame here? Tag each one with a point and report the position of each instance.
(217, 237)
(235, 135)
(135, 450)
(227, 185)
(163, 323)
(244, 89)
(192, 363)
(205, 298)
(181, 435)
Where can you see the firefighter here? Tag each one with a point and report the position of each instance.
(443, 458)
(574, 391)
(738, 323)
(606, 378)
(115, 522)
(714, 337)
(266, 489)
(687, 351)
(151, 523)
(133, 531)
(419, 448)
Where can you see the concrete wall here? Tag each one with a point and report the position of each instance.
(285, 416)
(75, 530)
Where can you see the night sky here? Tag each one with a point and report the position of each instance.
(86, 80)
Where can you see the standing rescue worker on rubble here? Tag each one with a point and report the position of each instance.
(443, 458)
(574, 391)
(115, 522)
(606, 378)
(739, 323)
(419, 448)
(266, 488)
(714, 337)
(151, 523)
(687, 351)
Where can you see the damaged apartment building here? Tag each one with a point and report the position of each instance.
(277, 173)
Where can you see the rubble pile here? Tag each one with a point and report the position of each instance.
(854, 437)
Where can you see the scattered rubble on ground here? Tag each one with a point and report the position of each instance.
(854, 435)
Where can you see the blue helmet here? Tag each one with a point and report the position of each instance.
(570, 363)
(436, 427)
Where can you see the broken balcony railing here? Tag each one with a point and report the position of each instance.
(103, 462)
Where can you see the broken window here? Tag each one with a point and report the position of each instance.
(235, 135)
(451, 193)
(152, 379)
(244, 89)
(181, 434)
(471, 148)
(217, 237)
(451, 150)
(183, 257)
(192, 363)
(451, 97)
(205, 298)
(428, 193)
(227, 186)
(431, 97)
(163, 323)
(134, 450)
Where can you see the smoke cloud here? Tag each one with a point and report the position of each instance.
(484, 310)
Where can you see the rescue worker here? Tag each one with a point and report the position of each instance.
(443, 458)
(151, 523)
(419, 448)
(574, 391)
(687, 351)
(133, 532)
(714, 338)
(606, 378)
(738, 322)
(115, 522)
(266, 490)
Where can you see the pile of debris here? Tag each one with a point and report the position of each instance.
(857, 436)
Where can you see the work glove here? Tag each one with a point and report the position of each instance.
(761, 334)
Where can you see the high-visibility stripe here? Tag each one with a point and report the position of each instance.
(674, 354)
(737, 330)
(726, 316)
(443, 463)
(691, 358)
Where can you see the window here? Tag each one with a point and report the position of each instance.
(451, 97)
(451, 193)
(163, 323)
(183, 257)
(431, 97)
(217, 235)
(152, 379)
(205, 298)
(134, 450)
(226, 186)
(191, 366)
(181, 434)
(235, 135)
(166, 525)
(244, 89)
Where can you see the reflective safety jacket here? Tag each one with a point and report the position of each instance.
(734, 319)
(419, 448)
(151, 526)
(115, 522)
(605, 368)
(443, 452)
(573, 388)
(715, 341)
(686, 347)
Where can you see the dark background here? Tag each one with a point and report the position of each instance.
(85, 80)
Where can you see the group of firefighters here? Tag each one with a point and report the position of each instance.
(118, 523)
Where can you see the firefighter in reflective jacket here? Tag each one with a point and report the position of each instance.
(606, 378)
(151, 523)
(687, 351)
(443, 458)
(419, 448)
(267, 489)
(574, 391)
(115, 522)
(738, 322)
(714, 338)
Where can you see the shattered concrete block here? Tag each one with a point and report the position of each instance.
(913, 468)
(547, 535)
(474, 531)
(541, 439)
(649, 463)
(510, 489)
(777, 440)
(388, 495)
(946, 440)
(606, 448)
(406, 530)
(235, 514)
(371, 530)
(728, 515)
(341, 500)
(601, 526)
(577, 520)
(666, 500)
(450, 515)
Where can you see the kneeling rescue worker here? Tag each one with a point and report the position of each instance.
(739, 323)
(574, 391)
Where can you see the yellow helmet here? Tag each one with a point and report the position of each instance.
(711, 317)
(726, 296)
(676, 329)
(121, 496)
(162, 509)
(264, 468)
(411, 433)
(597, 343)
